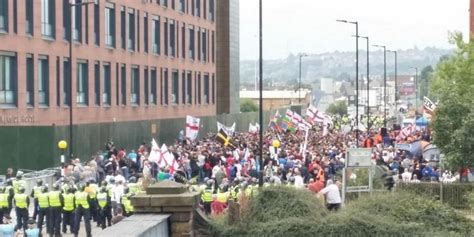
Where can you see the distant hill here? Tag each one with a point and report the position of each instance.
(338, 65)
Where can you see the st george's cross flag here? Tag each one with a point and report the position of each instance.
(192, 127)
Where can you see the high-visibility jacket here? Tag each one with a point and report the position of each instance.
(4, 200)
(223, 197)
(133, 187)
(81, 199)
(206, 195)
(127, 204)
(102, 199)
(43, 200)
(54, 199)
(36, 191)
(93, 192)
(234, 193)
(17, 184)
(68, 202)
(20, 200)
(109, 190)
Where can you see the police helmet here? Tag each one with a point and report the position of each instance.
(81, 187)
(103, 189)
(103, 183)
(10, 181)
(39, 182)
(44, 189)
(19, 174)
(56, 187)
(21, 189)
(126, 190)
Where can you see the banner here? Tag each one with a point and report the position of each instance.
(192, 127)
(167, 159)
(229, 130)
(429, 106)
(314, 115)
(224, 139)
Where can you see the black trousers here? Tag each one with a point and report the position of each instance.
(43, 213)
(35, 211)
(21, 218)
(105, 214)
(82, 213)
(207, 208)
(3, 213)
(94, 210)
(333, 206)
(68, 220)
(55, 217)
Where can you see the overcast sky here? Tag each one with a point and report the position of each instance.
(292, 26)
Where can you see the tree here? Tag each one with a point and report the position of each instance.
(425, 78)
(248, 105)
(338, 108)
(453, 87)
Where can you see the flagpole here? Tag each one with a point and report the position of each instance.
(260, 181)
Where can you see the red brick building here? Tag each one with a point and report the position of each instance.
(131, 60)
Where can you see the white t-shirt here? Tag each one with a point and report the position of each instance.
(299, 183)
(332, 194)
(117, 192)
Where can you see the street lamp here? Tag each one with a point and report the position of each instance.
(299, 83)
(416, 90)
(62, 145)
(260, 173)
(72, 3)
(396, 80)
(357, 75)
(384, 83)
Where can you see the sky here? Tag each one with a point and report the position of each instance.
(309, 26)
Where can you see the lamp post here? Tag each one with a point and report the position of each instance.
(72, 3)
(357, 75)
(396, 79)
(416, 90)
(384, 83)
(260, 173)
(62, 145)
(299, 83)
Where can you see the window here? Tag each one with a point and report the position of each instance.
(67, 82)
(147, 88)
(30, 80)
(106, 92)
(183, 41)
(173, 4)
(77, 23)
(8, 79)
(166, 36)
(131, 30)
(211, 10)
(110, 26)
(175, 87)
(29, 17)
(43, 82)
(123, 26)
(96, 23)
(199, 44)
(138, 31)
(123, 84)
(164, 3)
(206, 89)
(182, 5)
(117, 84)
(204, 45)
(97, 83)
(4, 15)
(66, 20)
(145, 32)
(197, 9)
(191, 42)
(213, 89)
(58, 81)
(172, 45)
(153, 86)
(156, 35)
(82, 84)
(189, 88)
(183, 87)
(164, 87)
(135, 86)
(15, 16)
(204, 9)
(213, 47)
(199, 88)
(47, 18)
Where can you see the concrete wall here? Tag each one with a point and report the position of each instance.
(35, 147)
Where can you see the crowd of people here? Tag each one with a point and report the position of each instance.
(99, 190)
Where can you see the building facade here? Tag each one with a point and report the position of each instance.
(131, 61)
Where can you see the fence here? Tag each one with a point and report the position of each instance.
(47, 175)
(454, 194)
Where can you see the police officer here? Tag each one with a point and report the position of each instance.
(22, 203)
(82, 200)
(43, 208)
(55, 205)
(206, 196)
(105, 209)
(34, 194)
(68, 209)
(132, 185)
(11, 193)
(3, 203)
(126, 203)
(18, 182)
(91, 189)
(223, 194)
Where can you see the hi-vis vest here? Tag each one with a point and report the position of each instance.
(127, 204)
(68, 202)
(102, 199)
(81, 200)
(17, 184)
(43, 200)
(54, 199)
(4, 200)
(36, 191)
(133, 187)
(206, 196)
(20, 200)
(94, 187)
(222, 197)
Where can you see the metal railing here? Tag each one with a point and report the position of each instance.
(47, 175)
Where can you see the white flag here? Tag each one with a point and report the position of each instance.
(428, 105)
(228, 130)
(254, 128)
(192, 127)
(167, 159)
(155, 152)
